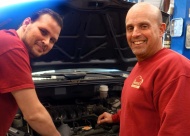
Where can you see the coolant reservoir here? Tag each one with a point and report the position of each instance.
(103, 91)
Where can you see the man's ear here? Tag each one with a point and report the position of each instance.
(162, 29)
(26, 21)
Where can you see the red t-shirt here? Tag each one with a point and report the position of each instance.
(156, 97)
(15, 72)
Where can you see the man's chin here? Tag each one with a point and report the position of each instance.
(35, 55)
(138, 53)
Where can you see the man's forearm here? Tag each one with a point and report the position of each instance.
(42, 123)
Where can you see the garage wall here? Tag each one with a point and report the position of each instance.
(158, 3)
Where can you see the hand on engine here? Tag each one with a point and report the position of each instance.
(105, 118)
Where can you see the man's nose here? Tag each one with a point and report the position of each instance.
(46, 41)
(136, 32)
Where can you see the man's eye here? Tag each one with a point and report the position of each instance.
(52, 41)
(43, 32)
(144, 26)
(129, 29)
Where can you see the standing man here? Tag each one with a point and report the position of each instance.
(155, 98)
(34, 38)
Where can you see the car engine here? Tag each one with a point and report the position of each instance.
(76, 100)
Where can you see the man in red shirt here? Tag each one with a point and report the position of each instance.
(155, 99)
(35, 37)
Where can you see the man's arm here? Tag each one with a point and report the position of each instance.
(34, 112)
(109, 118)
(173, 105)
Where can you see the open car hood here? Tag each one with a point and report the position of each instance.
(93, 35)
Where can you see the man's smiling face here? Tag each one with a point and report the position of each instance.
(143, 32)
(40, 36)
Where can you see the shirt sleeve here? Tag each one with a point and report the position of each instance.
(15, 71)
(173, 104)
(116, 117)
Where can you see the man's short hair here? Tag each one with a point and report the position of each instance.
(50, 12)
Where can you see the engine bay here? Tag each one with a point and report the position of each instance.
(76, 102)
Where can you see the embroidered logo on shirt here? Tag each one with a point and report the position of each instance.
(137, 82)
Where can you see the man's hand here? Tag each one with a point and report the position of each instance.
(105, 118)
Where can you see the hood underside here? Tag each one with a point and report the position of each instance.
(93, 35)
